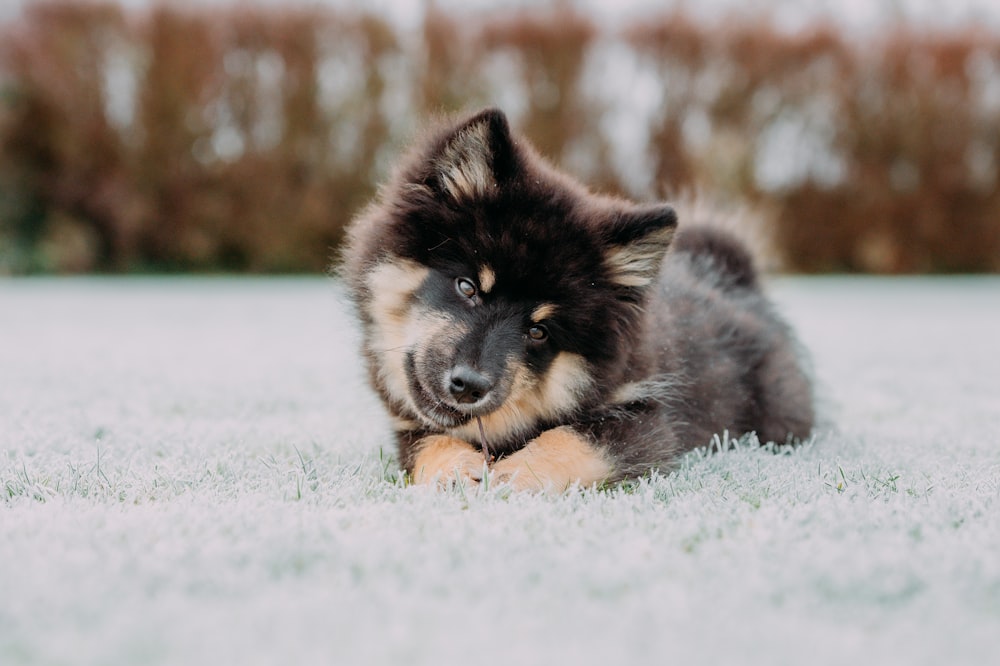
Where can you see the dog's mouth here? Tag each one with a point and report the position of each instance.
(437, 410)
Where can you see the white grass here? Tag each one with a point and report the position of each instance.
(191, 473)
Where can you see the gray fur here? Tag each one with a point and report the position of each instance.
(656, 337)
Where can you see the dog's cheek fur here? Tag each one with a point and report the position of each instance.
(400, 325)
(391, 286)
(534, 400)
(433, 334)
(566, 381)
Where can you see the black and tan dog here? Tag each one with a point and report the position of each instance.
(496, 291)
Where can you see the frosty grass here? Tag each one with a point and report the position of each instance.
(192, 471)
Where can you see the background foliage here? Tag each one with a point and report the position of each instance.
(244, 139)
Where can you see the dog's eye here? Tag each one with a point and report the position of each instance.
(538, 332)
(465, 287)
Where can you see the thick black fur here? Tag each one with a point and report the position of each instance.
(669, 347)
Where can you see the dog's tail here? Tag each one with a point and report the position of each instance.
(727, 243)
(719, 254)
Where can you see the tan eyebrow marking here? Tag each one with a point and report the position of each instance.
(487, 278)
(543, 311)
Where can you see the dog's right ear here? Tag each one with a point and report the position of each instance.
(475, 157)
(636, 240)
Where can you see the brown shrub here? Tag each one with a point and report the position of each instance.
(231, 156)
(900, 152)
(244, 139)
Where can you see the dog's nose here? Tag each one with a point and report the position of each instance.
(468, 386)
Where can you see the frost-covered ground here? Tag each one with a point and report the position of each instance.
(190, 473)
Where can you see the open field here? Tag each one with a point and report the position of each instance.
(192, 471)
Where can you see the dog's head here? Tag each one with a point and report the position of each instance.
(491, 285)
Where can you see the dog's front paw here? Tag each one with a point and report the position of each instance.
(553, 461)
(446, 460)
(516, 472)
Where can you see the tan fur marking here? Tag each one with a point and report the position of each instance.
(543, 312)
(487, 278)
(403, 424)
(443, 460)
(658, 388)
(531, 402)
(625, 393)
(423, 327)
(464, 164)
(392, 285)
(566, 380)
(636, 264)
(554, 461)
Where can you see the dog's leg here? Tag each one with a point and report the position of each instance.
(445, 460)
(553, 461)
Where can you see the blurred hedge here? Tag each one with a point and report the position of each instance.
(244, 139)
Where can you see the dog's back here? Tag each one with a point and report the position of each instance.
(715, 353)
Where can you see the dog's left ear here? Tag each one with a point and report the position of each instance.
(475, 157)
(635, 242)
